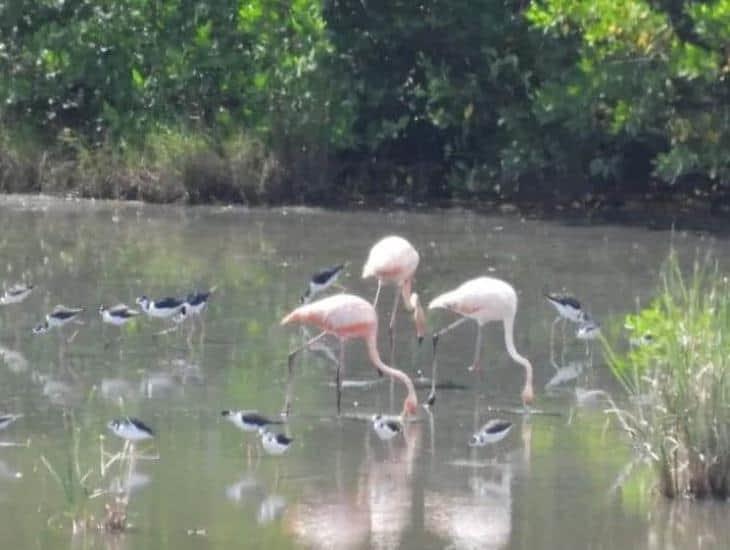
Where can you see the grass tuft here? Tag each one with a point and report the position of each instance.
(676, 373)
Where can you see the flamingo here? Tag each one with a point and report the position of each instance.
(347, 317)
(483, 299)
(394, 260)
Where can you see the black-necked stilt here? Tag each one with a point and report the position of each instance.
(321, 281)
(60, 316)
(196, 301)
(568, 307)
(16, 294)
(386, 427)
(493, 431)
(161, 309)
(130, 429)
(274, 443)
(7, 419)
(588, 330)
(248, 421)
(117, 315)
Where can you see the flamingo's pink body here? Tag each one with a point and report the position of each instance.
(393, 260)
(350, 317)
(487, 299)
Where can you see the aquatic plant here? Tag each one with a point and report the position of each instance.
(83, 481)
(676, 374)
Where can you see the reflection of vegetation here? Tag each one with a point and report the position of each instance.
(678, 381)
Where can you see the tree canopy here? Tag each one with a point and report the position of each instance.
(483, 94)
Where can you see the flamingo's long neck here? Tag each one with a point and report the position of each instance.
(374, 355)
(509, 342)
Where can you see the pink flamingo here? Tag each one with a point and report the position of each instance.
(393, 260)
(483, 299)
(347, 317)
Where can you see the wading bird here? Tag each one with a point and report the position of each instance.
(393, 260)
(493, 431)
(16, 294)
(321, 281)
(131, 429)
(483, 299)
(161, 309)
(117, 315)
(60, 316)
(347, 317)
(567, 307)
(275, 444)
(248, 421)
(386, 428)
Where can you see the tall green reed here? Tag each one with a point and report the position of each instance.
(676, 374)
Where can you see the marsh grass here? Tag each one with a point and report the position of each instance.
(86, 483)
(167, 165)
(676, 373)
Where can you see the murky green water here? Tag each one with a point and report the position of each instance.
(547, 485)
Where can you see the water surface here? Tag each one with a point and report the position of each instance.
(550, 484)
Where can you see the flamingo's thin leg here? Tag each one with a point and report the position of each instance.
(290, 366)
(435, 338)
(391, 326)
(338, 375)
(475, 366)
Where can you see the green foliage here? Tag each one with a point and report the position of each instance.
(118, 69)
(435, 97)
(438, 82)
(678, 381)
(649, 73)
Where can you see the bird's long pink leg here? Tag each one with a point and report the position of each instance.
(391, 325)
(338, 375)
(434, 365)
(290, 366)
(476, 366)
(377, 294)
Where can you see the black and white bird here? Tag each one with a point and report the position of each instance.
(60, 316)
(493, 431)
(196, 302)
(248, 421)
(16, 294)
(117, 315)
(321, 281)
(589, 329)
(387, 428)
(130, 429)
(567, 307)
(161, 309)
(7, 419)
(274, 443)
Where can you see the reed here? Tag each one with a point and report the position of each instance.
(676, 372)
(87, 480)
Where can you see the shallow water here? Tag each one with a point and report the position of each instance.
(549, 484)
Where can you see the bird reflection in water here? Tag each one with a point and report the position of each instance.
(481, 517)
(376, 513)
(15, 361)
